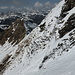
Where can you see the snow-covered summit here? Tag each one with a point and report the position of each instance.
(48, 49)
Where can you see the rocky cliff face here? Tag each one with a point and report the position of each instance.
(14, 34)
(1, 30)
(70, 24)
(69, 4)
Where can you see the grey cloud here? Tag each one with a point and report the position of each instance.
(43, 5)
(38, 4)
(17, 2)
(4, 7)
(47, 4)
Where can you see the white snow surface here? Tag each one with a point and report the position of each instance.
(35, 46)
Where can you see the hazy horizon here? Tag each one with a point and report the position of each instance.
(6, 5)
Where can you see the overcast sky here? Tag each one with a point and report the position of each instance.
(21, 3)
(13, 4)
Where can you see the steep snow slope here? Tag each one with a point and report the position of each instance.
(63, 65)
(43, 52)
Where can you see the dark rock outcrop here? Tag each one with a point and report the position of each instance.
(69, 4)
(15, 33)
(69, 25)
(42, 27)
(8, 21)
(4, 63)
(1, 30)
(36, 18)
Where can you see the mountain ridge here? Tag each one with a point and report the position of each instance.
(45, 51)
